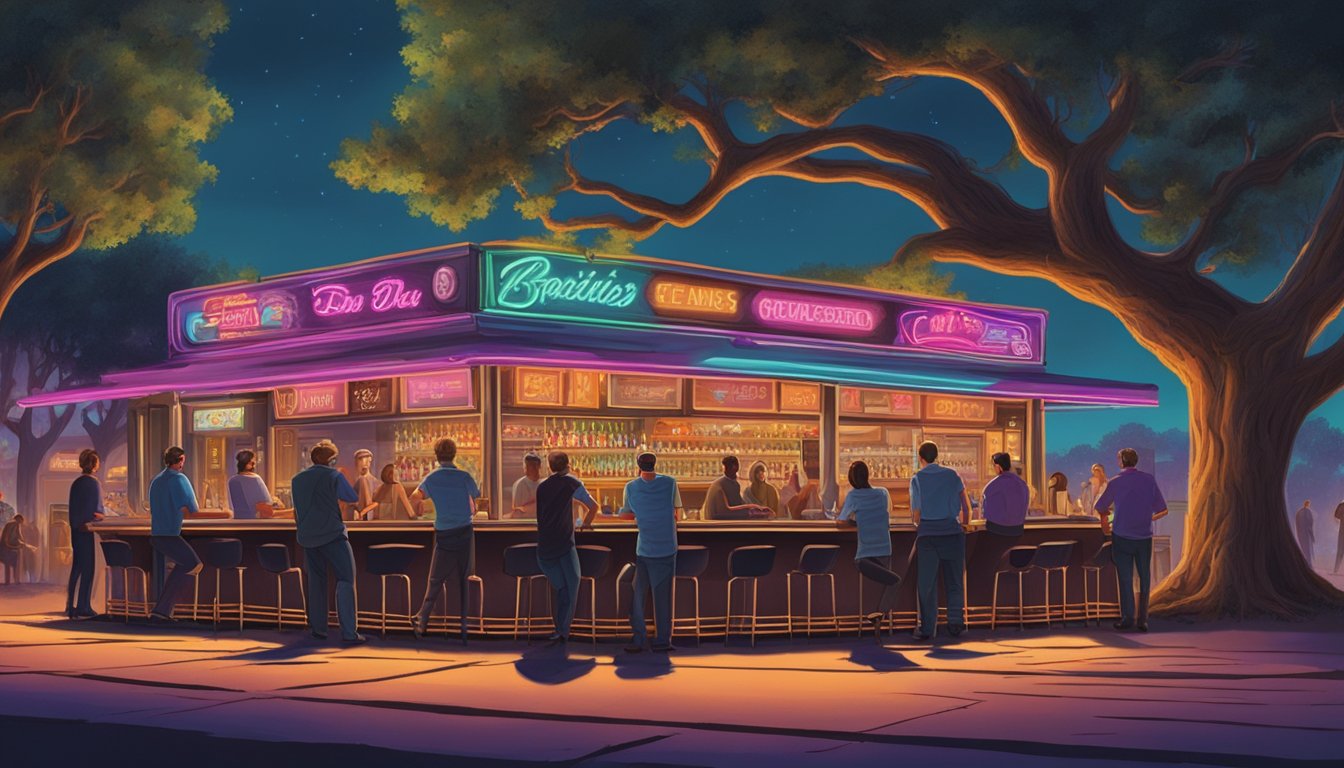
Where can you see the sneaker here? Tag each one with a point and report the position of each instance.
(1142, 626)
(158, 618)
(634, 648)
(85, 615)
(418, 627)
(1123, 625)
(557, 640)
(358, 639)
(318, 635)
(956, 630)
(920, 636)
(663, 648)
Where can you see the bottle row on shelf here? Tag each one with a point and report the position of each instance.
(421, 435)
(622, 467)
(753, 430)
(412, 469)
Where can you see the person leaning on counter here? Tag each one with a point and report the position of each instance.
(653, 500)
(557, 557)
(248, 494)
(318, 493)
(171, 498)
(454, 493)
(869, 509)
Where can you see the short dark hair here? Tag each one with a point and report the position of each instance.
(858, 475)
(646, 462)
(323, 452)
(445, 449)
(531, 458)
(730, 460)
(87, 459)
(928, 451)
(558, 461)
(244, 458)
(172, 456)
(1004, 461)
(1128, 457)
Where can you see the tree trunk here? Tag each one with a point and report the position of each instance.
(32, 452)
(1240, 556)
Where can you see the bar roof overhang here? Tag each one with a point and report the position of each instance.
(484, 339)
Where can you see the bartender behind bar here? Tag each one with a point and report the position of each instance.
(724, 500)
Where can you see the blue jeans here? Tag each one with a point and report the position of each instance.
(1127, 555)
(653, 573)
(563, 574)
(947, 553)
(185, 563)
(340, 558)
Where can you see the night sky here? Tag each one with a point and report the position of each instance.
(303, 76)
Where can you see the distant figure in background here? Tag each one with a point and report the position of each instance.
(869, 509)
(12, 547)
(171, 498)
(391, 499)
(86, 508)
(1306, 531)
(454, 493)
(525, 488)
(940, 508)
(1339, 546)
(6, 510)
(248, 494)
(1138, 503)
(363, 484)
(1055, 504)
(1005, 499)
(759, 491)
(723, 500)
(318, 493)
(1093, 487)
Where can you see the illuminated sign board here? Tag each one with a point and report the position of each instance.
(630, 391)
(64, 461)
(538, 386)
(966, 330)
(754, 395)
(370, 397)
(958, 409)
(804, 312)
(878, 402)
(547, 283)
(361, 295)
(449, 390)
(679, 298)
(799, 398)
(217, 419)
(307, 401)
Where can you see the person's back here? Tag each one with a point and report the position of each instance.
(871, 510)
(723, 493)
(11, 536)
(454, 493)
(1006, 498)
(85, 501)
(1136, 498)
(246, 491)
(169, 492)
(317, 508)
(555, 515)
(654, 503)
(936, 492)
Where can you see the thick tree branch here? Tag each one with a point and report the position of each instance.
(1312, 291)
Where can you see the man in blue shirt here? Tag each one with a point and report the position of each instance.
(557, 556)
(653, 499)
(454, 494)
(1138, 502)
(170, 499)
(869, 509)
(940, 507)
(318, 492)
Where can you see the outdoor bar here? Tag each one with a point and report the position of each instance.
(511, 348)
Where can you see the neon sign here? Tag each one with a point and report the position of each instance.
(217, 419)
(242, 314)
(679, 298)
(963, 329)
(534, 281)
(810, 312)
(311, 400)
(437, 391)
(959, 409)
(386, 295)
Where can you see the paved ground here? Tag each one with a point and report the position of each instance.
(110, 694)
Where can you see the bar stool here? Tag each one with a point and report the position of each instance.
(222, 554)
(594, 562)
(814, 562)
(692, 560)
(1015, 560)
(480, 604)
(1093, 567)
(117, 554)
(747, 564)
(1053, 557)
(625, 577)
(520, 562)
(390, 560)
(275, 559)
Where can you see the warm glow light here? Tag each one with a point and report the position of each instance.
(683, 299)
(811, 312)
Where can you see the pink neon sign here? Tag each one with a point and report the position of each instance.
(310, 400)
(436, 391)
(963, 329)
(390, 293)
(811, 312)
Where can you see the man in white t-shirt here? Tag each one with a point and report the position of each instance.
(525, 489)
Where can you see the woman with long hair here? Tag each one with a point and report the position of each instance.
(1093, 487)
(390, 501)
(869, 509)
(759, 490)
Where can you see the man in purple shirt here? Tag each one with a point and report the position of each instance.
(1006, 499)
(1138, 502)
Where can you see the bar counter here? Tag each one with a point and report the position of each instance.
(492, 593)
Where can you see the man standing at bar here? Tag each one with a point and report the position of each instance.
(318, 493)
(524, 503)
(724, 500)
(556, 554)
(454, 493)
(1006, 499)
(1138, 502)
(940, 507)
(171, 497)
(1339, 545)
(654, 500)
(86, 508)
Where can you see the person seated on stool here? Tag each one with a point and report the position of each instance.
(869, 509)
(724, 500)
(248, 494)
(1006, 498)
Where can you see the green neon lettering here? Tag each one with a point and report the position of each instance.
(528, 283)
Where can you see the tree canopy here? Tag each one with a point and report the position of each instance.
(103, 109)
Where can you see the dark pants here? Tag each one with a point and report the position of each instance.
(1339, 548)
(563, 574)
(947, 553)
(1129, 554)
(875, 568)
(185, 565)
(81, 572)
(453, 559)
(653, 574)
(10, 559)
(337, 556)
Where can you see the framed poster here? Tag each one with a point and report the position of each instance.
(218, 419)
(799, 398)
(643, 391)
(743, 395)
(878, 402)
(305, 401)
(446, 391)
(371, 397)
(582, 391)
(960, 410)
(537, 386)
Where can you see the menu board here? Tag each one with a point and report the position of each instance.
(799, 398)
(641, 391)
(311, 401)
(217, 419)
(444, 391)
(537, 386)
(371, 397)
(747, 395)
(878, 402)
(582, 392)
(963, 410)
